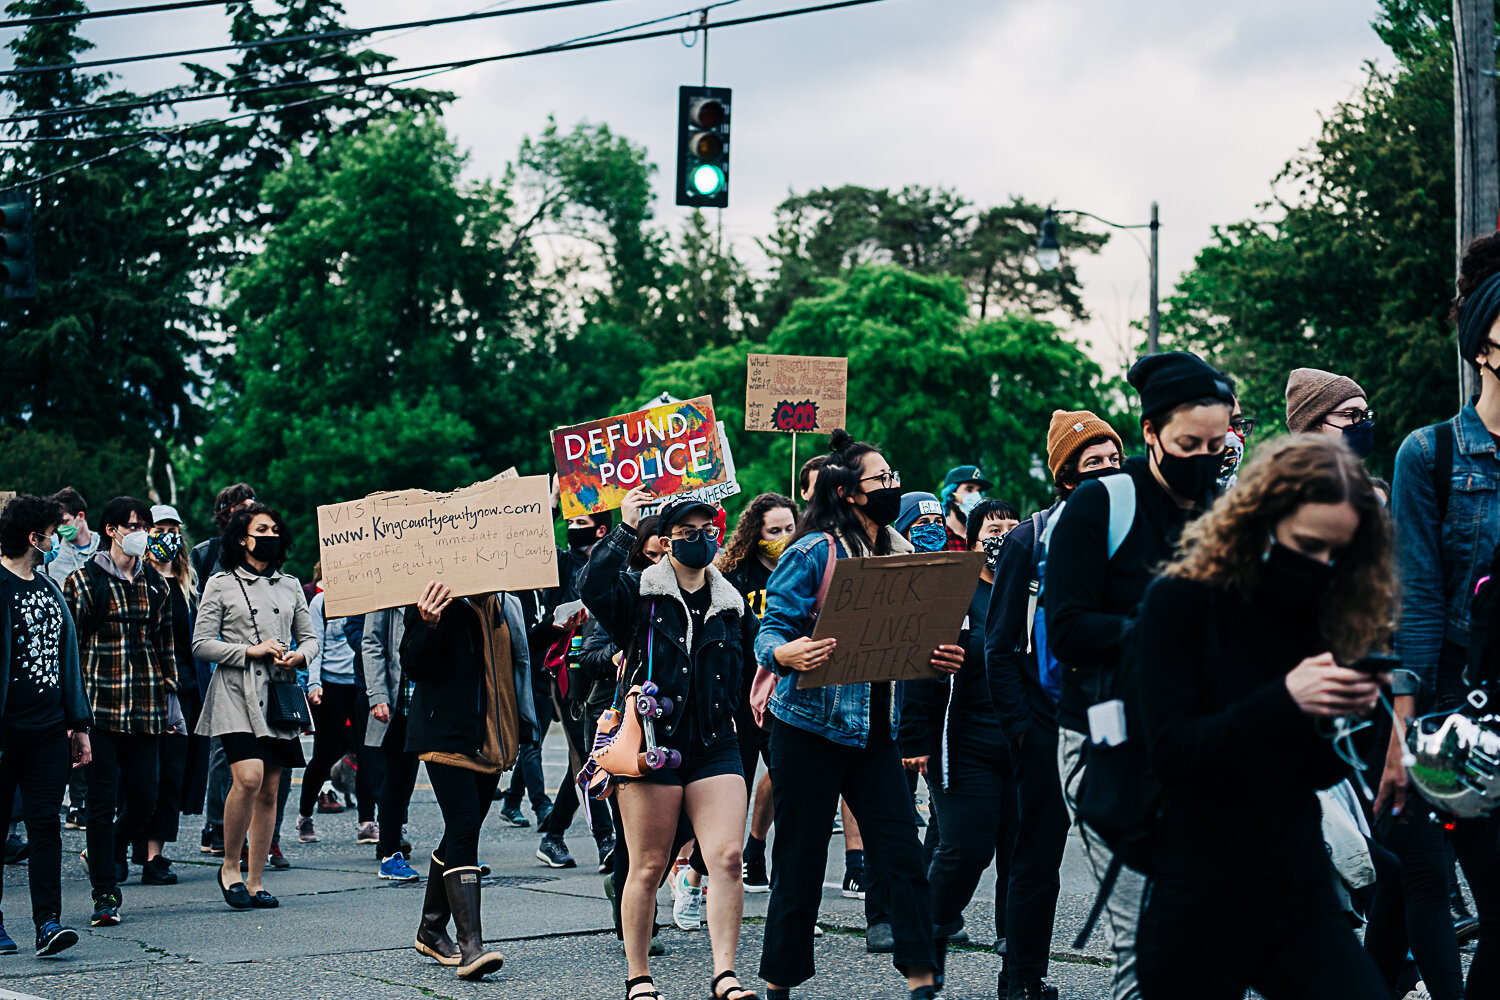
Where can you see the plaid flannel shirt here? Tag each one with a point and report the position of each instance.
(128, 666)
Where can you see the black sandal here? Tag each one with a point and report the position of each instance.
(631, 984)
(739, 991)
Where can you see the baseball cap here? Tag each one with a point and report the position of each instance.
(676, 509)
(165, 512)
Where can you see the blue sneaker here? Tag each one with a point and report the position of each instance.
(7, 946)
(396, 869)
(52, 937)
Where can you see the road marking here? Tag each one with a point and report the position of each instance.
(9, 995)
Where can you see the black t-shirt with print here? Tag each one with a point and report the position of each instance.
(751, 578)
(33, 700)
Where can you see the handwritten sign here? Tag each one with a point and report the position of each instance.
(784, 392)
(672, 447)
(380, 552)
(889, 613)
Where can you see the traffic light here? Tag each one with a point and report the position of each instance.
(17, 259)
(703, 146)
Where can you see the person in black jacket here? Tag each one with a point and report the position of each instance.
(1079, 446)
(1243, 649)
(1092, 593)
(472, 672)
(691, 634)
(44, 712)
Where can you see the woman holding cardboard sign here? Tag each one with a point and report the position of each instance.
(846, 728)
(689, 637)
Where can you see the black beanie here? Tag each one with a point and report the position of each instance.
(1165, 381)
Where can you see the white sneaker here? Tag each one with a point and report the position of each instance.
(687, 909)
(1420, 993)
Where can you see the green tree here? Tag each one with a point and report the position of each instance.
(372, 331)
(933, 385)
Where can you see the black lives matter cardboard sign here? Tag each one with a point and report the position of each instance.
(889, 613)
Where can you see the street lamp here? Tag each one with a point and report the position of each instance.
(1049, 256)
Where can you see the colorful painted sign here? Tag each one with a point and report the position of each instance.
(790, 393)
(671, 447)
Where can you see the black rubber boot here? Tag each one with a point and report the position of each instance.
(474, 962)
(432, 933)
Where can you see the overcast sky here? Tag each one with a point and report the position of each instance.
(1090, 104)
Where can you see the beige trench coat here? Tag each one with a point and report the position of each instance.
(236, 699)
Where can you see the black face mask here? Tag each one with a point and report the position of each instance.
(1099, 473)
(882, 506)
(695, 554)
(1293, 576)
(582, 538)
(265, 547)
(1360, 438)
(1192, 477)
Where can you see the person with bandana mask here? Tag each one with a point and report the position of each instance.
(1245, 645)
(760, 536)
(847, 729)
(921, 521)
(692, 634)
(1319, 402)
(44, 711)
(127, 645)
(1080, 447)
(963, 488)
(1092, 592)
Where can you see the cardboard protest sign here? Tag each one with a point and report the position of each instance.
(784, 392)
(889, 613)
(671, 447)
(380, 552)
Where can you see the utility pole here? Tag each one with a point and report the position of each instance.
(1153, 328)
(1477, 169)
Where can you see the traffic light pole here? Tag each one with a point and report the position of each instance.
(1476, 177)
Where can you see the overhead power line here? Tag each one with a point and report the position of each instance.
(155, 8)
(364, 78)
(315, 36)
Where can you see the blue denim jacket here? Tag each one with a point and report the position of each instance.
(841, 713)
(1439, 565)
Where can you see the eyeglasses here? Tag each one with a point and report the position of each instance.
(1243, 426)
(1353, 416)
(711, 532)
(887, 480)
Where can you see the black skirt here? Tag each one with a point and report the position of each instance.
(273, 751)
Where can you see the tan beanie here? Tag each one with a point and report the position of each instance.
(1312, 394)
(1068, 432)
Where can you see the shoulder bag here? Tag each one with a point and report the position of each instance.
(619, 739)
(286, 704)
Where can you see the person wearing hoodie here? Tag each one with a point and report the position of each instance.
(471, 702)
(848, 729)
(1022, 682)
(1092, 593)
(1319, 402)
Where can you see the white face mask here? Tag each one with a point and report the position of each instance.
(134, 544)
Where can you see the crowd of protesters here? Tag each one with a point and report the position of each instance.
(1167, 661)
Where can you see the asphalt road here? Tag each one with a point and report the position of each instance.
(343, 933)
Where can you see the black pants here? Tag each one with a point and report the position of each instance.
(527, 778)
(1410, 911)
(565, 807)
(340, 706)
(396, 787)
(1286, 942)
(162, 823)
(464, 797)
(808, 774)
(38, 763)
(127, 762)
(1036, 859)
(1475, 841)
(978, 810)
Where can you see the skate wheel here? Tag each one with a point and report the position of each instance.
(649, 689)
(645, 706)
(654, 760)
(673, 760)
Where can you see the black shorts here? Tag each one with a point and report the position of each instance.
(722, 756)
(273, 751)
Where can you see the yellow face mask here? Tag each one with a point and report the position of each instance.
(773, 550)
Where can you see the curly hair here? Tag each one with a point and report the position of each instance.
(747, 530)
(232, 553)
(1225, 547)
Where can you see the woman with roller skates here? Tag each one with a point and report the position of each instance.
(688, 637)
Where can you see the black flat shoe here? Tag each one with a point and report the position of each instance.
(235, 895)
(263, 900)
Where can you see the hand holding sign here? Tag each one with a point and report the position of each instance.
(805, 653)
(630, 507)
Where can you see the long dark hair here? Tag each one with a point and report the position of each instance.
(839, 477)
(644, 532)
(747, 531)
(232, 553)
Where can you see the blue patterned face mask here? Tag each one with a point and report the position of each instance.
(929, 537)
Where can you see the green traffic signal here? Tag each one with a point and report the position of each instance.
(707, 180)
